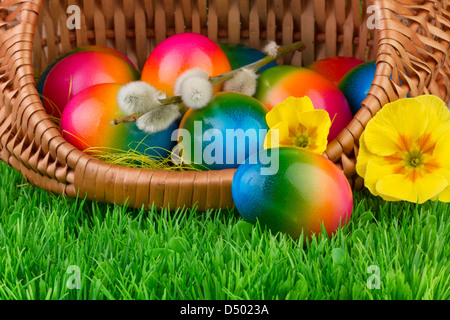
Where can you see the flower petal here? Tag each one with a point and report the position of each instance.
(317, 124)
(437, 110)
(305, 103)
(282, 139)
(444, 196)
(363, 157)
(282, 112)
(442, 151)
(288, 111)
(438, 121)
(319, 149)
(274, 117)
(421, 190)
(376, 169)
(431, 101)
(396, 127)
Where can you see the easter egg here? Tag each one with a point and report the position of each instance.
(335, 68)
(224, 133)
(269, 78)
(43, 77)
(240, 55)
(85, 123)
(278, 83)
(356, 84)
(299, 191)
(82, 70)
(179, 53)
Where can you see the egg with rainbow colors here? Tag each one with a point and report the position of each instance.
(297, 193)
(179, 53)
(82, 70)
(224, 133)
(335, 68)
(85, 123)
(356, 84)
(278, 83)
(240, 55)
(44, 74)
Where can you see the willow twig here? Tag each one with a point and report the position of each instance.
(215, 81)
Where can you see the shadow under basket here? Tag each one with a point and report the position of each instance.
(410, 40)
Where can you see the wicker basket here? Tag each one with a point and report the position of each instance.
(411, 43)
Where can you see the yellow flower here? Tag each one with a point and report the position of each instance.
(405, 151)
(294, 122)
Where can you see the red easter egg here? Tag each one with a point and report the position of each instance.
(304, 82)
(180, 53)
(335, 68)
(82, 70)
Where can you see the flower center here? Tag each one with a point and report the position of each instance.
(301, 141)
(415, 159)
(415, 162)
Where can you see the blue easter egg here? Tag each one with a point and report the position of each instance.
(240, 55)
(154, 145)
(224, 133)
(356, 84)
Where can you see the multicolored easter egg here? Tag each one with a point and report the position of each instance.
(356, 84)
(240, 55)
(85, 123)
(82, 70)
(179, 53)
(269, 78)
(299, 191)
(224, 133)
(43, 77)
(335, 68)
(278, 83)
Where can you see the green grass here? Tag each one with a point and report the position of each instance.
(124, 253)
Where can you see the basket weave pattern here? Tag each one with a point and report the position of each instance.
(411, 44)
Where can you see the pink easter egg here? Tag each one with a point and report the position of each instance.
(180, 53)
(82, 70)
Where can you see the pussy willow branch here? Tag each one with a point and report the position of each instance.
(215, 81)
